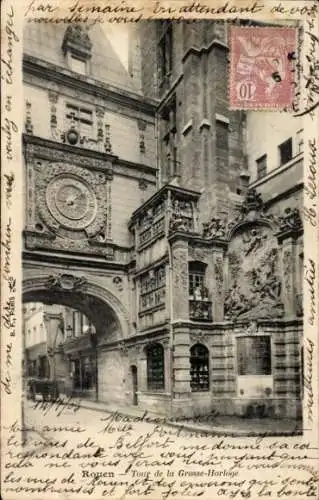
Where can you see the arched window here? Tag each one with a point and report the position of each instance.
(199, 368)
(155, 366)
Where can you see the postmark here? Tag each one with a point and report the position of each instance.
(262, 67)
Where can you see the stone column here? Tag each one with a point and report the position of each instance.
(181, 397)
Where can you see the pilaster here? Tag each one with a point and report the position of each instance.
(218, 294)
(179, 288)
(181, 398)
(288, 258)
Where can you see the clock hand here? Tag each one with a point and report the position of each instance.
(70, 201)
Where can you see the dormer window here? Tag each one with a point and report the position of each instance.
(77, 65)
(77, 47)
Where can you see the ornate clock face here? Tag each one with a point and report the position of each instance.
(71, 202)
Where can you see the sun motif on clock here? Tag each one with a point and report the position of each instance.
(71, 201)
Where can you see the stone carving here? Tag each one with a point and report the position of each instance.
(76, 39)
(234, 262)
(118, 282)
(66, 282)
(52, 242)
(28, 120)
(291, 220)
(53, 98)
(107, 141)
(142, 127)
(252, 203)
(197, 253)
(181, 218)
(123, 348)
(262, 295)
(95, 180)
(235, 302)
(219, 275)
(216, 228)
(287, 269)
(200, 309)
(252, 328)
(142, 184)
(253, 240)
(100, 135)
(46, 153)
(198, 336)
(251, 210)
(180, 269)
(254, 280)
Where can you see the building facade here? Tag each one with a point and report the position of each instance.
(47, 329)
(171, 222)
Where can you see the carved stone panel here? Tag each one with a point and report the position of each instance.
(254, 288)
(180, 281)
(69, 207)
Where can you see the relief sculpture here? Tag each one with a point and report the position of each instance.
(254, 287)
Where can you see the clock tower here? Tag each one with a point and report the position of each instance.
(89, 162)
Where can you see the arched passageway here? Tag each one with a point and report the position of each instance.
(84, 358)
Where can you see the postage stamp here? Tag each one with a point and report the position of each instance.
(261, 68)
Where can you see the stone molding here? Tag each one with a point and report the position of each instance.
(35, 66)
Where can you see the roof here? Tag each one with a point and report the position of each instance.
(44, 41)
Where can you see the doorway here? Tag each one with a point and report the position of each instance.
(134, 384)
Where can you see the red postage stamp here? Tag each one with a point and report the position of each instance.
(261, 68)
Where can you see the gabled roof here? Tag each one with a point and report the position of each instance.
(44, 41)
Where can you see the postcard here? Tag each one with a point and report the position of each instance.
(159, 264)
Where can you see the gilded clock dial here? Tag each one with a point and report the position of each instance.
(71, 202)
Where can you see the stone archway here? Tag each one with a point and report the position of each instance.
(80, 293)
(102, 308)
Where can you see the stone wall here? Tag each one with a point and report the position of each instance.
(113, 383)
